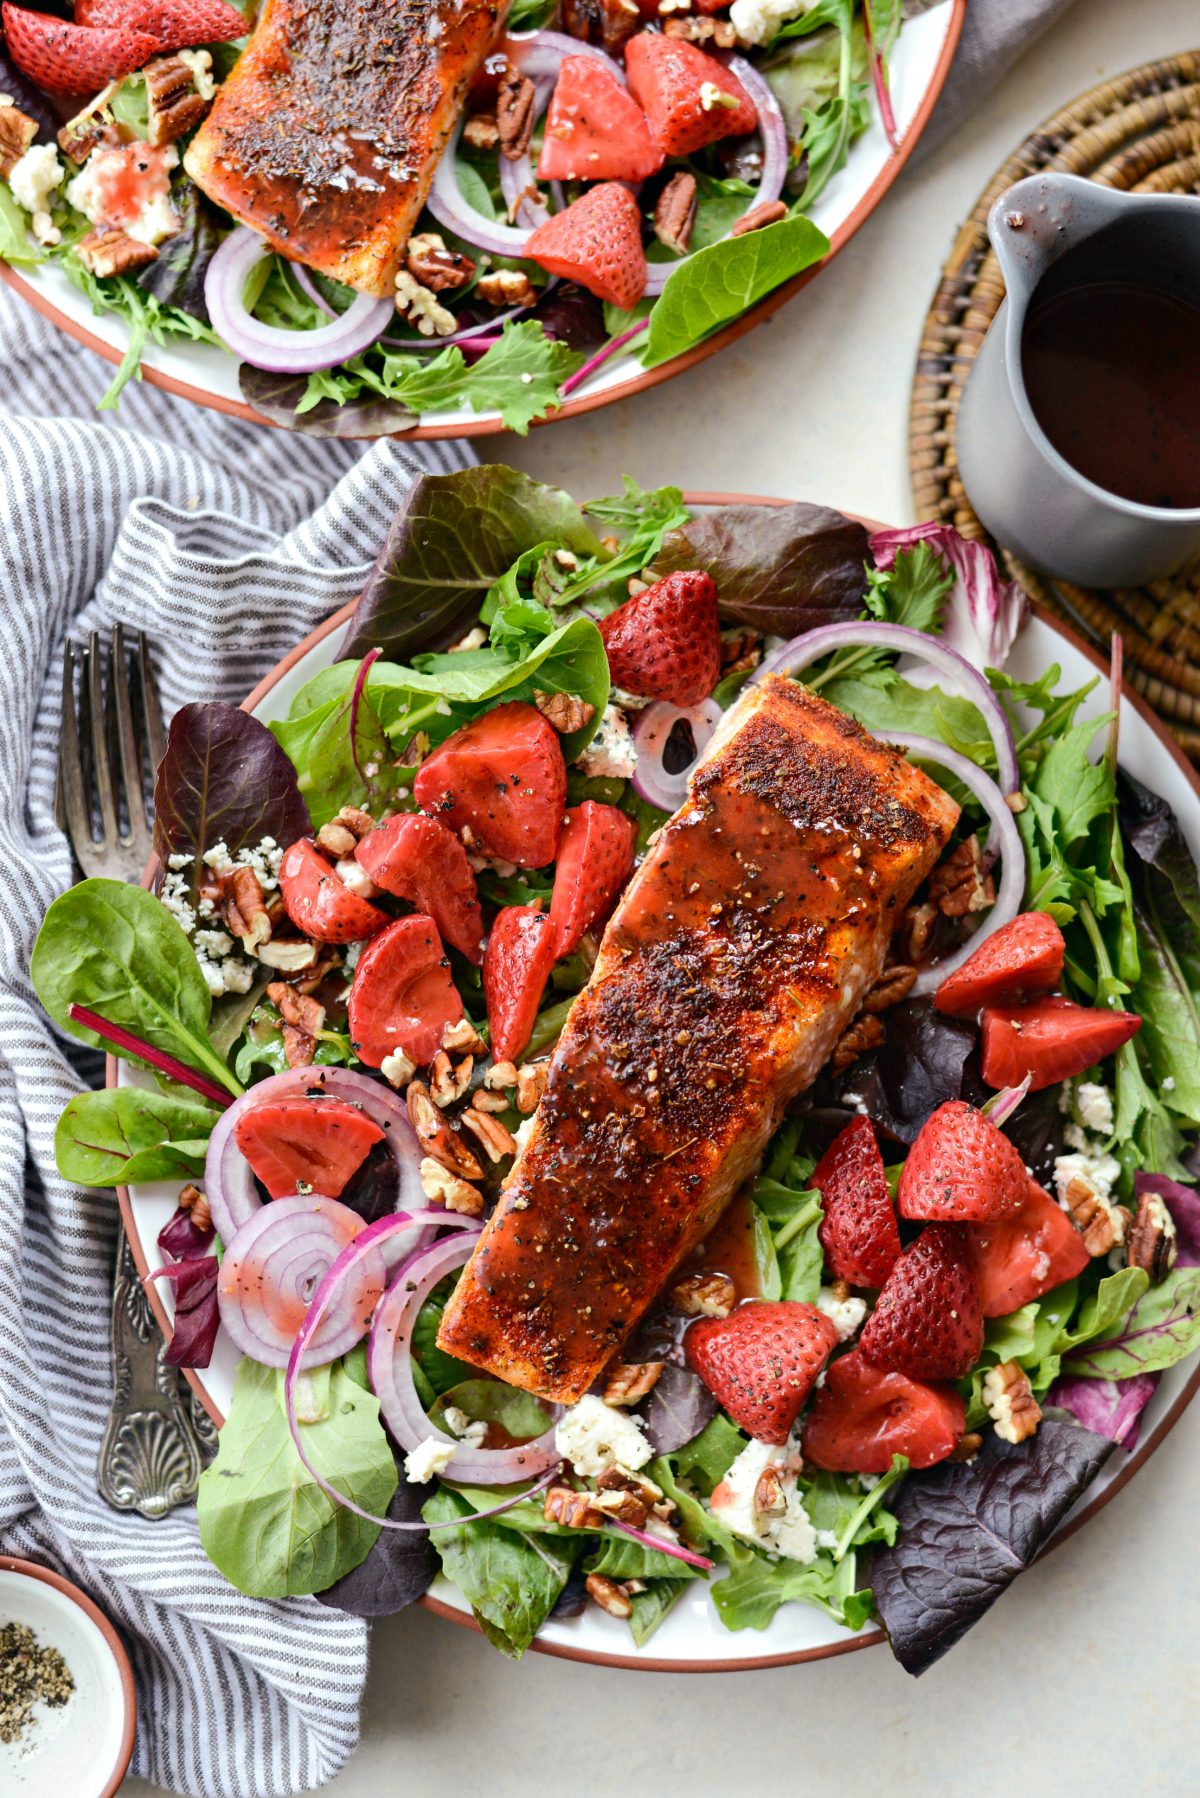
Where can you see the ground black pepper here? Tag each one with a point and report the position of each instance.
(28, 1672)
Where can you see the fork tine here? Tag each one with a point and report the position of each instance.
(128, 745)
(101, 764)
(74, 815)
(150, 706)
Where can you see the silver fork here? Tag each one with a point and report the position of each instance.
(151, 1455)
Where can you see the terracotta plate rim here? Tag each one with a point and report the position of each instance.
(871, 1638)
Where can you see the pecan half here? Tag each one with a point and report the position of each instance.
(447, 1082)
(565, 711)
(296, 1008)
(622, 1506)
(895, 983)
(864, 1033)
(244, 909)
(506, 287)
(1010, 1402)
(675, 212)
(531, 1084)
(609, 23)
(514, 114)
(1098, 1220)
(1152, 1242)
(720, 33)
(573, 1510)
(958, 885)
(434, 265)
(608, 1595)
(445, 1188)
(492, 1136)
(500, 1076)
(193, 1201)
(435, 1135)
(704, 1295)
(299, 1047)
(481, 131)
(463, 1035)
(174, 102)
(769, 213)
(630, 1381)
(17, 132)
(916, 930)
(108, 251)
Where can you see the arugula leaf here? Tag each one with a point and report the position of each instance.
(123, 1134)
(277, 396)
(148, 318)
(114, 949)
(722, 281)
(792, 1247)
(830, 127)
(912, 591)
(510, 1580)
(264, 1521)
(1076, 789)
(1162, 1327)
(17, 246)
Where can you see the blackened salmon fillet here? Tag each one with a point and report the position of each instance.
(742, 947)
(325, 136)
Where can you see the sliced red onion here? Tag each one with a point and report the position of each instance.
(1005, 836)
(229, 1184)
(803, 651)
(675, 1549)
(275, 1264)
(1001, 1105)
(540, 54)
(651, 733)
(270, 346)
(389, 1366)
(516, 181)
(450, 208)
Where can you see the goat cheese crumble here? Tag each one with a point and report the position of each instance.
(471, 1431)
(1094, 1104)
(128, 187)
(33, 180)
(783, 1526)
(224, 967)
(846, 1315)
(594, 1436)
(757, 21)
(611, 754)
(429, 1458)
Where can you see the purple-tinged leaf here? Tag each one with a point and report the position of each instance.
(677, 1409)
(1112, 1408)
(983, 613)
(276, 397)
(968, 1528)
(196, 1315)
(572, 1601)
(182, 1239)
(30, 99)
(571, 314)
(1183, 1202)
(922, 1062)
(1162, 1327)
(399, 1569)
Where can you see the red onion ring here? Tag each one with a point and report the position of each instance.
(803, 651)
(308, 287)
(273, 1266)
(270, 346)
(540, 54)
(651, 732)
(451, 209)
(229, 1184)
(1005, 836)
(389, 1367)
(1001, 1105)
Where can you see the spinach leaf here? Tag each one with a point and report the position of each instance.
(707, 1459)
(491, 1401)
(968, 1528)
(123, 1134)
(1162, 1327)
(399, 1569)
(223, 778)
(754, 1588)
(512, 1581)
(453, 538)
(678, 1408)
(114, 949)
(264, 1521)
(341, 753)
(570, 659)
(441, 1370)
(721, 282)
(779, 569)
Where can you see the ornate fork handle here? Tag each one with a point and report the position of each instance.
(150, 1458)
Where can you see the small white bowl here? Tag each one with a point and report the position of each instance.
(82, 1748)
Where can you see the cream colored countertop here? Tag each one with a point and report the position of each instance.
(1086, 1677)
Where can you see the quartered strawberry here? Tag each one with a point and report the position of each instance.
(665, 643)
(315, 1142)
(858, 1231)
(1050, 1039)
(689, 98)
(595, 859)
(863, 1415)
(1021, 1258)
(927, 1322)
(1020, 960)
(516, 967)
(402, 997)
(319, 904)
(594, 130)
(597, 241)
(961, 1169)
(503, 778)
(176, 24)
(67, 58)
(418, 859)
(761, 1362)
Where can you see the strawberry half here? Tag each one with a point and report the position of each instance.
(64, 58)
(858, 1231)
(1050, 1040)
(665, 643)
(927, 1322)
(1024, 1257)
(961, 1170)
(761, 1362)
(863, 1415)
(597, 241)
(595, 859)
(516, 967)
(1018, 961)
(689, 98)
(176, 24)
(594, 130)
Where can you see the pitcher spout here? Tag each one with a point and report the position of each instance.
(1040, 219)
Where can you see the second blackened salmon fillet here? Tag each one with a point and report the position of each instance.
(325, 136)
(743, 946)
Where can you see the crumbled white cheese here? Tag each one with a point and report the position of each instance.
(757, 21)
(594, 1436)
(611, 754)
(787, 1532)
(224, 968)
(1094, 1104)
(218, 858)
(1098, 1171)
(474, 639)
(430, 1457)
(200, 63)
(173, 894)
(33, 179)
(350, 958)
(846, 1315)
(354, 877)
(523, 1132)
(102, 190)
(472, 1431)
(397, 1069)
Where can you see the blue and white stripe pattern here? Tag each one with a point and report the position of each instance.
(226, 543)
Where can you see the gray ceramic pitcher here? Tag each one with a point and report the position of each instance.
(1026, 493)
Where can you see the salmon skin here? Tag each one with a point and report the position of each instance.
(325, 137)
(742, 947)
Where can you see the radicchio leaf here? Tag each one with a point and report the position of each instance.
(968, 1528)
(196, 1315)
(400, 1567)
(182, 1238)
(779, 569)
(1183, 1202)
(983, 613)
(276, 397)
(677, 1409)
(922, 1062)
(1112, 1408)
(451, 540)
(223, 778)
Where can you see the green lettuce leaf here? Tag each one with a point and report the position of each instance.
(510, 1580)
(721, 282)
(123, 1134)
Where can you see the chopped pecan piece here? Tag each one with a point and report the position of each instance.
(296, 1008)
(435, 266)
(1010, 1402)
(291, 956)
(1152, 1242)
(514, 113)
(436, 1136)
(490, 1133)
(630, 1381)
(447, 1082)
(770, 1499)
(622, 1506)
(463, 1035)
(573, 1510)
(481, 131)
(500, 1076)
(916, 931)
(895, 983)
(107, 251)
(506, 287)
(174, 101)
(720, 33)
(1098, 1220)
(337, 840)
(609, 23)
(94, 126)
(675, 212)
(483, 1100)
(565, 711)
(17, 132)
(704, 1295)
(193, 1201)
(444, 1188)
(864, 1033)
(608, 1595)
(299, 1047)
(244, 909)
(958, 885)
(531, 1084)
(967, 1448)
(740, 649)
(769, 213)
(620, 1479)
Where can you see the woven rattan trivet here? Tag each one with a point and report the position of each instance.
(1140, 132)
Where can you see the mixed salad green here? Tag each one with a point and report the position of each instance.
(496, 598)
